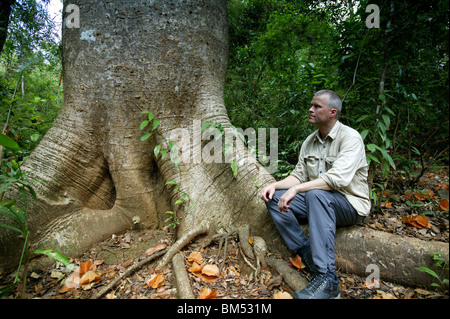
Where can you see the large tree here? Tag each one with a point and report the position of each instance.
(167, 57)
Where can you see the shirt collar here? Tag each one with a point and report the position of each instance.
(333, 132)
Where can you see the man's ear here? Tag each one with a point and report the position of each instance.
(334, 113)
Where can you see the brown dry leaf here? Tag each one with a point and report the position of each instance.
(195, 267)
(419, 196)
(282, 295)
(297, 262)
(383, 295)
(210, 270)
(207, 293)
(443, 205)
(418, 221)
(73, 280)
(155, 280)
(154, 249)
(89, 277)
(206, 278)
(441, 186)
(386, 204)
(85, 267)
(234, 270)
(195, 256)
(64, 289)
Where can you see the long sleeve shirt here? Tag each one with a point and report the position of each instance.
(340, 160)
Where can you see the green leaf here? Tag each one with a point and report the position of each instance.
(387, 120)
(11, 227)
(155, 124)
(157, 150)
(364, 133)
(388, 158)
(429, 271)
(56, 255)
(35, 137)
(234, 168)
(144, 124)
(362, 118)
(146, 136)
(8, 142)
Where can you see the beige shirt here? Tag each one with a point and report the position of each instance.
(340, 160)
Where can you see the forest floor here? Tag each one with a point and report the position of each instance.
(233, 278)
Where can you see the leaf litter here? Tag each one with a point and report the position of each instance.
(96, 268)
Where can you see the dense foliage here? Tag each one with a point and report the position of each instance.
(393, 79)
(30, 68)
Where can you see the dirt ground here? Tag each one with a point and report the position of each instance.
(231, 277)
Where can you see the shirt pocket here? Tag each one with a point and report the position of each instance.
(312, 166)
(329, 161)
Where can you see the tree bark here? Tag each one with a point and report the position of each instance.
(168, 57)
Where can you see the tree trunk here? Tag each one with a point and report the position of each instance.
(168, 57)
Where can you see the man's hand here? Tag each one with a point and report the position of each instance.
(267, 192)
(286, 198)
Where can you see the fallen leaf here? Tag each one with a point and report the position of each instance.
(297, 262)
(234, 270)
(195, 256)
(196, 267)
(275, 282)
(154, 249)
(419, 196)
(386, 204)
(443, 205)
(210, 270)
(85, 267)
(441, 186)
(418, 221)
(155, 280)
(90, 276)
(282, 295)
(64, 289)
(111, 295)
(207, 293)
(383, 295)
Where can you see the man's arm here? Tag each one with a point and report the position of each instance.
(286, 198)
(293, 185)
(286, 183)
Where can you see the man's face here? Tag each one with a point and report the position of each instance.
(319, 113)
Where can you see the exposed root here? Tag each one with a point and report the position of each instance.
(180, 243)
(184, 289)
(129, 271)
(291, 277)
(244, 235)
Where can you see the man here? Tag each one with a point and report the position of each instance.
(328, 188)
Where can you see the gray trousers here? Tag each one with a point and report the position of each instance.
(323, 211)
